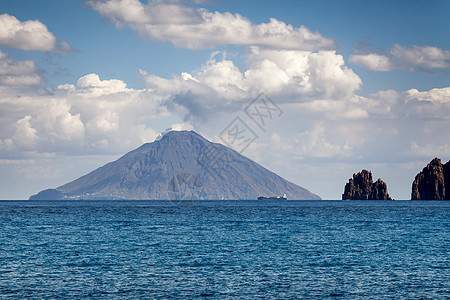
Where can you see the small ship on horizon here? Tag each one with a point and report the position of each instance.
(284, 197)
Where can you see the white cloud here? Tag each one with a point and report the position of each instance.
(90, 85)
(101, 116)
(28, 35)
(438, 95)
(389, 104)
(25, 134)
(372, 61)
(58, 122)
(288, 76)
(200, 29)
(301, 75)
(434, 104)
(415, 58)
(18, 72)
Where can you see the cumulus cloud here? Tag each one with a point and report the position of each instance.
(438, 95)
(313, 75)
(289, 76)
(97, 116)
(25, 135)
(411, 104)
(18, 72)
(29, 35)
(91, 85)
(201, 29)
(415, 58)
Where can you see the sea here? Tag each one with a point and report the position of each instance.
(225, 249)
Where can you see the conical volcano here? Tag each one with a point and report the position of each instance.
(181, 165)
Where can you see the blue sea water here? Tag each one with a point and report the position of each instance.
(225, 250)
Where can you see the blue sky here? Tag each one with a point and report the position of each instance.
(361, 84)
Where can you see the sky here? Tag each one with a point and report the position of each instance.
(319, 89)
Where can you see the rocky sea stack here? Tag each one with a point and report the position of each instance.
(433, 183)
(362, 187)
(182, 165)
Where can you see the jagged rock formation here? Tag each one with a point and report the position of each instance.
(447, 180)
(182, 165)
(433, 183)
(361, 187)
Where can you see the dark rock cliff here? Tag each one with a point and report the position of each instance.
(433, 183)
(362, 187)
(447, 180)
